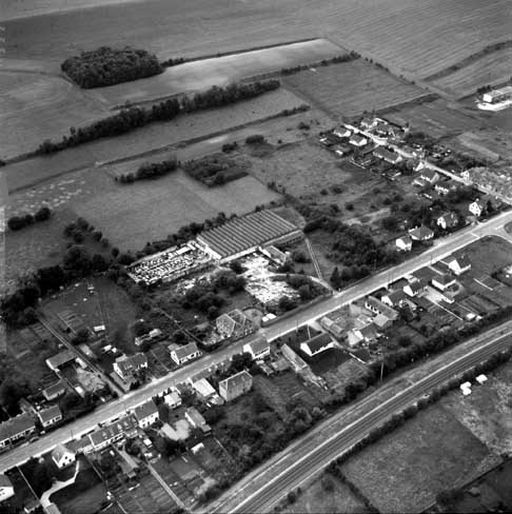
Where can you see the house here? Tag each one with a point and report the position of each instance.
(54, 391)
(387, 155)
(127, 366)
(196, 420)
(443, 281)
(367, 333)
(477, 207)
(336, 323)
(173, 399)
(6, 488)
(102, 437)
(15, 429)
(354, 337)
(458, 265)
(317, 344)
(259, 349)
(203, 388)
(234, 324)
(63, 456)
(421, 233)
(235, 386)
(26, 407)
(447, 221)
(185, 353)
(414, 287)
(368, 122)
(404, 244)
(342, 132)
(443, 188)
(378, 307)
(393, 298)
(146, 414)
(429, 175)
(358, 141)
(60, 360)
(381, 322)
(50, 416)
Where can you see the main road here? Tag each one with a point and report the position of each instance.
(117, 408)
(263, 488)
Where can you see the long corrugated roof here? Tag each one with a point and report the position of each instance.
(243, 233)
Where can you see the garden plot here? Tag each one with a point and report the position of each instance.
(262, 283)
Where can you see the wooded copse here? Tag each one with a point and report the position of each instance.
(136, 117)
(107, 66)
(149, 170)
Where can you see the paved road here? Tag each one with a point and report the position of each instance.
(310, 455)
(115, 409)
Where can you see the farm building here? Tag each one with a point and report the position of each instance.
(235, 386)
(242, 236)
(259, 349)
(317, 344)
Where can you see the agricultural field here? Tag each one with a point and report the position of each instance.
(36, 106)
(405, 470)
(154, 136)
(132, 215)
(350, 88)
(492, 68)
(414, 36)
(219, 71)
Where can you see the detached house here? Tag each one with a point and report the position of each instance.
(234, 324)
(477, 207)
(258, 349)
(317, 344)
(173, 399)
(376, 306)
(146, 414)
(421, 233)
(414, 287)
(235, 386)
(387, 155)
(50, 416)
(443, 281)
(185, 353)
(127, 366)
(358, 141)
(393, 298)
(429, 175)
(342, 132)
(63, 456)
(447, 221)
(404, 244)
(458, 265)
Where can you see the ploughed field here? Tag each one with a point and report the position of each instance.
(495, 67)
(219, 71)
(351, 88)
(421, 37)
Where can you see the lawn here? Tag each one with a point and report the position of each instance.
(219, 71)
(350, 88)
(404, 470)
(478, 253)
(131, 215)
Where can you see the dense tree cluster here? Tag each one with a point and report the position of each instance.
(108, 66)
(19, 222)
(305, 286)
(325, 62)
(167, 63)
(135, 117)
(214, 170)
(149, 170)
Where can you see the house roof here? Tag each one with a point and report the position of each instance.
(421, 232)
(145, 410)
(186, 350)
(61, 358)
(381, 307)
(129, 363)
(450, 219)
(462, 261)
(369, 331)
(405, 240)
(259, 345)
(318, 342)
(444, 279)
(379, 321)
(55, 389)
(395, 296)
(234, 381)
(203, 387)
(384, 153)
(60, 451)
(195, 416)
(415, 285)
(172, 397)
(16, 426)
(49, 413)
(109, 432)
(5, 481)
(356, 138)
(429, 174)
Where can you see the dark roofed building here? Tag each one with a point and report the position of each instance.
(61, 359)
(15, 429)
(235, 386)
(317, 344)
(54, 391)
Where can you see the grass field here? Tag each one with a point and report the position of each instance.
(351, 88)
(492, 68)
(132, 215)
(404, 471)
(156, 135)
(199, 75)
(422, 37)
(326, 494)
(34, 107)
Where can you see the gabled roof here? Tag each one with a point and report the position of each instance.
(16, 426)
(404, 239)
(357, 138)
(429, 174)
(443, 279)
(5, 481)
(450, 219)
(369, 331)
(49, 413)
(384, 153)
(60, 451)
(130, 363)
(415, 285)
(145, 410)
(259, 345)
(184, 351)
(421, 232)
(61, 358)
(235, 381)
(462, 261)
(395, 296)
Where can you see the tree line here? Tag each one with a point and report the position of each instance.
(107, 66)
(351, 56)
(19, 222)
(136, 117)
(149, 171)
